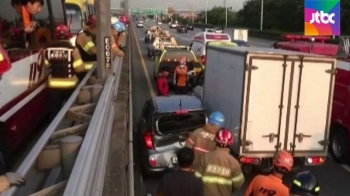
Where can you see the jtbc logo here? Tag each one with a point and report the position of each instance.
(324, 17)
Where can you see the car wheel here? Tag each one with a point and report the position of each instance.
(339, 144)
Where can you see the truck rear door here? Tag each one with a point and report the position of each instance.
(265, 104)
(311, 101)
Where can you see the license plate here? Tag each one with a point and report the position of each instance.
(61, 55)
(174, 160)
(197, 69)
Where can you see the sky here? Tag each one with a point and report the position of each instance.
(180, 4)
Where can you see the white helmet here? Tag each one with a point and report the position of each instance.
(114, 19)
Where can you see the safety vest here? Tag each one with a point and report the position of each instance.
(61, 63)
(84, 55)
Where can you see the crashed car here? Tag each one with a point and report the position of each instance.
(160, 42)
(169, 58)
(162, 129)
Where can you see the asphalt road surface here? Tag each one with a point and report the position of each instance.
(334, 179)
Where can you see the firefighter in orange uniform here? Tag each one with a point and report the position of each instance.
(117, 28)
(272, 184)
(64, 62)
(220, 172)
(201, 140)
(11, 179)
(180, 77)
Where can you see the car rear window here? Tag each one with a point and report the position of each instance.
(176, 54)
(175, 123)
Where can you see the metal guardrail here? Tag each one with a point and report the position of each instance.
(87, 177)
(30, 160)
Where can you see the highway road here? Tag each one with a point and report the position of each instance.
(333, 178)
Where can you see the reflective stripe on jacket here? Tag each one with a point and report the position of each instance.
(201, 141)
(220, 172)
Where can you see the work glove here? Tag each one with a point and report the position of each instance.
(191, 73)
(15, 179)
(122, 48)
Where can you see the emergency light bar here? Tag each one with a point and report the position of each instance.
(217, 36)
(290, 37)
(177, 47)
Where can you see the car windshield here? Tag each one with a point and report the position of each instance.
(175, 123)
(210, 30)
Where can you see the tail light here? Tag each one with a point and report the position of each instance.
(152, 161)
(203, 59)
(248, 160)
(314, 160)
(148, 140)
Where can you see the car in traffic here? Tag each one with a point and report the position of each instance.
(169, 58)
(162, 129)
(241, 43)
(190, 27)
(181, 29)
(139, 24)
(173, 26)
(218, 30)
(160, 23)
(208, 30)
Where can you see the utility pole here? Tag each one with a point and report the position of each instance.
(206, 12)
(103, 37)
(225, 13)
(261, 15)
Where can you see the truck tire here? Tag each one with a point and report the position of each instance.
(339, 144)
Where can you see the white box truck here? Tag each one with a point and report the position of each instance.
(272, 100)
(240, 34)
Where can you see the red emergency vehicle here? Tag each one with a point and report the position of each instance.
(340, 124)
(23, 94)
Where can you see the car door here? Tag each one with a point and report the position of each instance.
(145, 115)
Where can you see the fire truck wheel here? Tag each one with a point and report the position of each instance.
(339, 144)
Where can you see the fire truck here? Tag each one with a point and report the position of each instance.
(23, 92)
(339, 142)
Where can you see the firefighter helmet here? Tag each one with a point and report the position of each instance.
(62, 32)
(283, 159)
(114, 20)
(224, 137)
(305, 184)
(119, 26)
(217, 118)
(91, 21)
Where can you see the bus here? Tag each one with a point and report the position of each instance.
(78, 12)
(23, 92)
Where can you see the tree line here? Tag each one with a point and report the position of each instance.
(279, 15)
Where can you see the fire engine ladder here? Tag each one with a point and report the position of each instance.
(344, 47)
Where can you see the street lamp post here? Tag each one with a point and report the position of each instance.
(206, 12)
(192, 11)
(225, 13)
(261, 15)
